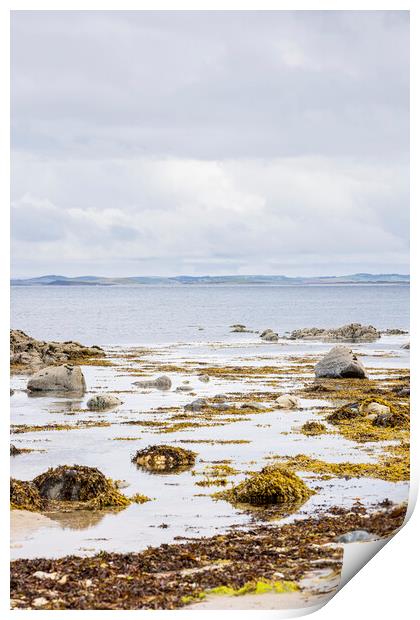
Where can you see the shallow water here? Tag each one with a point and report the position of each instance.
(187, 509)
(166, 314)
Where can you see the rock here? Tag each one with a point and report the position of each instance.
(353, 332)
(269, 336)
(204, 378)
(27, 353)
(356, 536)
(40, 574)
(406, 346)
(184, 388)
(350, 411)
(287, 401)
(58, 378)
(100, 402)
(11, 392)
(405, 391)
(161, 383)
(14, 451)
(164, 458)
(374, 408)
(240, 328)
(394, 332)
(197, 405)
(340, 362)
(40, 601)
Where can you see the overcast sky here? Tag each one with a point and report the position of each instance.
(164, 143)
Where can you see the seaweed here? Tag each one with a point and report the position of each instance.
(24, 495)
(312, 427)
(272, 485)
(164, 458)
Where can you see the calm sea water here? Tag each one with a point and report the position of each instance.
(200, 313)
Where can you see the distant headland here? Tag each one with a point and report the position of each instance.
(356, 278)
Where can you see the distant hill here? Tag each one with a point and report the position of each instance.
(356, 278)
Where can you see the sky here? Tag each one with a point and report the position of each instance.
(209, 142)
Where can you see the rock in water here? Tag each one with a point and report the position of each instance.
(161, 383)
(353, 332)
(287, 401)
(57, 379)
(269, 336)
(164, 458)
(340, 362)
(103, 401)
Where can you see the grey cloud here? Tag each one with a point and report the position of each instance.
(169, 142)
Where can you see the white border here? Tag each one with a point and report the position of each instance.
(387, 586)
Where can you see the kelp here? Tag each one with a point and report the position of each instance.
(312, 427)
(272, 485)
(24, 495)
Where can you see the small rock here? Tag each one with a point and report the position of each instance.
(204, 378)
(103, 401)
(197, 405)
(269, 336)
(40, 601)
(406, 346)
(287, 401)
(161, 383)
(375, 408)
(184, 388)
(356, 536)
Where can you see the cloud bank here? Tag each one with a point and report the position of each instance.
(160, 143)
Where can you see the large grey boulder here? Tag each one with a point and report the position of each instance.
(65, 378)
(100, 402)
(340, 362)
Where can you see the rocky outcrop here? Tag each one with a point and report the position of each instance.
(29, 354)
(354, 332)
(197, 405)
(394, 332)
(100, 402)
(287, 401)
(161, 383)
(269, 336)
(340, 362)
(65, 378)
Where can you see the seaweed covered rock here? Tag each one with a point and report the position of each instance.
(287, 401)
(160, 383)
(164, 458)
(24, 495)
(272, 485)
(27, 353)
(100, 402)
(353, 332)
(65, 378)
(79, 484)
(313, 427)
(350, 411)
(340, 362)
(14, 451)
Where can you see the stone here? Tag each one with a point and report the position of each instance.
(353, 332)
(65, 378)
(196, 405)
(375, 408)
(184, 388)
(161, 383)
(287, 401)
(269, 336)
(406, 346)
(14, 451)
(100, 402)
(340, 362)
(356, 536)
(40, 601)
(204, 378)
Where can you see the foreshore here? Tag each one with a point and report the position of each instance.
(184, 435)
